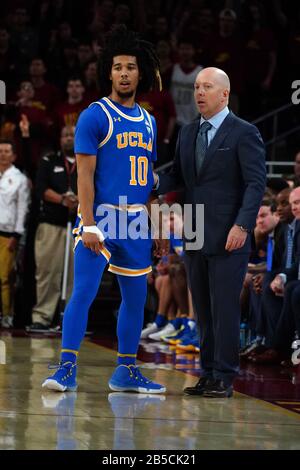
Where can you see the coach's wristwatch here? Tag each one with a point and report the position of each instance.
(243, 229)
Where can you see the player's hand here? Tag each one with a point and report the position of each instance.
(236, 239)
(91, 241)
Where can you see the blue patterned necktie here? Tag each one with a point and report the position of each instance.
(201, 145)
(270, 253)
(288, 263)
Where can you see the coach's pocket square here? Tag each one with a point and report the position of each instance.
(223, 149)
(58, 169)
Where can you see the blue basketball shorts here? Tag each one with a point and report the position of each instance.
(128, 242)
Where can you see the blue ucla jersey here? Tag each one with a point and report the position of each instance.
(124, 141)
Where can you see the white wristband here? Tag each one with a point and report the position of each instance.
(94, 229)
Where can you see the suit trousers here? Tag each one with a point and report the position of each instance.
(216, 283)
(271, 308)
(49, 258)
(7, 260)
(289, 318)
(256, 323)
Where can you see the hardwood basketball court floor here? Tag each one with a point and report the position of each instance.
(263, 414)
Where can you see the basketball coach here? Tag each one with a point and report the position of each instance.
(220, 163)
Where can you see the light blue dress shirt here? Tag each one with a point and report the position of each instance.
(215, 121)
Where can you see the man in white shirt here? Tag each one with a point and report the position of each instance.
(14, 200)
(182, 83)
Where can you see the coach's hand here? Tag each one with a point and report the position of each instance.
(91, 241)
(236, 239)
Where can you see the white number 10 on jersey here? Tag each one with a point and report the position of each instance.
(139, 171)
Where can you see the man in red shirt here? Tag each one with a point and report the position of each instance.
(44, 92)
(90, 82)
(161, 105)
(224, 50)
(67, 113)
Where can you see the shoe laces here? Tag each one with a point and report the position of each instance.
(66, 368)
(135, 371)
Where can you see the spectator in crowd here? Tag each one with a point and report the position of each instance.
(283, 246)
(8, 60)
(68, 65)
(102, 17)
(58, 38)
(41, 123)
(297, 170)
(14, 200)
(268, 232)
(163, 50)
(182, 82)
(160, 104)
(276, 185)
(199, 28)
(92, 92)
(160, 30)
(23, 38)
(277, 303)
(259, 62)
(67, 112)
(122, 15)
(185, 15)
(224, 50)
(85, 54)
(293, 47)
(64, 32)
(44, 92)
(56, 188)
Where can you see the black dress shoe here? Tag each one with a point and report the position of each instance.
(218, 389)
(199, 388)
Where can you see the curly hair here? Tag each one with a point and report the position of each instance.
(120, 41)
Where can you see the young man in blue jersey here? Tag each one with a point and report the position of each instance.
(115, 145)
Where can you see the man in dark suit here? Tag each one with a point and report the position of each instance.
(220, 162)
(265, 306)
(283, 317)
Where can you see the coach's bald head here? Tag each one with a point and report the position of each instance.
(212, 88)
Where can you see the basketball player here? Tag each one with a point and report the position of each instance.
(115, 144)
